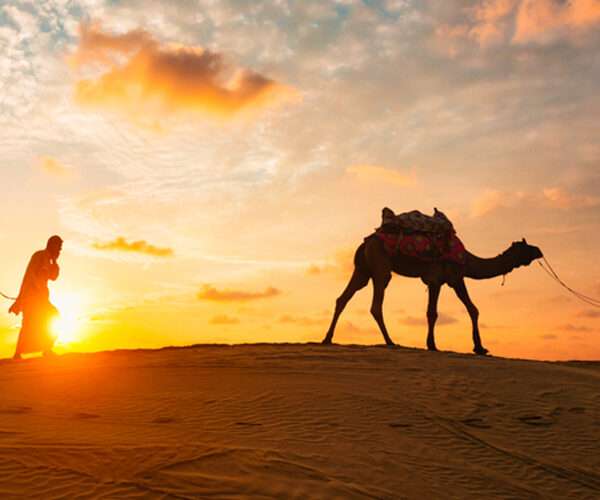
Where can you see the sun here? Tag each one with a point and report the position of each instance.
(66, 327)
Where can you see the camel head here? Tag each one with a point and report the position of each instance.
(523, 253)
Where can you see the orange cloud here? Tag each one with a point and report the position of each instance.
(491, 200)
(209, 292)
(223, 319)
(487, 24)
(53, 167)
(122, 245)
(442, 319)
(559, 198)
(570, 327)
(374, 173)
(341, 265)
(490, 16)
(301, 320)
(148, 80)
(492, 22)
(542, 20)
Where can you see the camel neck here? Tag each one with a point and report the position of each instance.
(484, 268)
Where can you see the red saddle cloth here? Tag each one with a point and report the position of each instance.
(423, 246)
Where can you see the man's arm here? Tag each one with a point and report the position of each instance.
(53, 270)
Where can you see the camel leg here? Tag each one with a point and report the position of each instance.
(434, 294)
(461, 291)
(380, 283)
(358, 280)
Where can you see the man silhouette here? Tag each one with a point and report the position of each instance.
(34, 301)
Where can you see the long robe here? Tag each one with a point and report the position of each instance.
(34, 302)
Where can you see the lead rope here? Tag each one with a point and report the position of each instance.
(552, 273)
(7, 297)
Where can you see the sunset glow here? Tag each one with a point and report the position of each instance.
(70, 325)
(212, 166)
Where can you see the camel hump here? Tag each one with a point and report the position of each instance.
(414, 220)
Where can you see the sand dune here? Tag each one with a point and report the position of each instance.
(298, 421)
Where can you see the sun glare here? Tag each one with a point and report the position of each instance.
(67, 326)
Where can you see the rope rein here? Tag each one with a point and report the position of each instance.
(552, 273)
(7, 297)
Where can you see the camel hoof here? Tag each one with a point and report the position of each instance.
(390, 344)
(481, 351)
(432, 348)
(326, 341)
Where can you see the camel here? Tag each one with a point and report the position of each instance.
(372, 262)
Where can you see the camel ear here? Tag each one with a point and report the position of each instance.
(524, 241)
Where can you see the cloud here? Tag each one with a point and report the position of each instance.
(301, 320)
(494, 22)
(542, 21)
(442, 319)
(491, 200)
(120, 244)
(560, 198)
(341, 265)
(490, 25)
(487, 24)
(375, 173)
(53, 167)
(210, 293)
(570, 327)
(549, 336)
(223, 319)
(589, 313)
(148, 80)
(349, 331)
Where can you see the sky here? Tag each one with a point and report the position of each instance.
(212, 165)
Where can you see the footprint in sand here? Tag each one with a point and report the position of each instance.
(16, 410)
(248, 424)
(399, 425)
(577, 409)
(163, 420)
(557, 411)
(8, 433)
(476, 422)
(535, 420)
(85, 416)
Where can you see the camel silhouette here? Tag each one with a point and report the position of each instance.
(371, 261)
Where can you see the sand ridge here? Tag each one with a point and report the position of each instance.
(298, 421)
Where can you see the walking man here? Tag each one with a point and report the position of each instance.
(34, 301)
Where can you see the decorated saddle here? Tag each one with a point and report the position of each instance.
(427, 238)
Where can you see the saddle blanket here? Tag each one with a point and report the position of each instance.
(437, 223)
(425, 247)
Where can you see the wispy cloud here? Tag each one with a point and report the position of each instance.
(543, 20)
(301, 320)
(120, 244)
(53, 167)
(570, 327)
(223, 319)
(491, 200)
(376, 173)
(211, 293)
(443, 319)
(589, 313)
(341, 264)
(561, 198)
(148, 80)
(518, 22)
